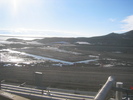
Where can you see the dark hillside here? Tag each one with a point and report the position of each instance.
(15, 40)
(56, 40)
(112, 39)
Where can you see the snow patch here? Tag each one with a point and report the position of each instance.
(82, 42)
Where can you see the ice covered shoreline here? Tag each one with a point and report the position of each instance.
(46, 58)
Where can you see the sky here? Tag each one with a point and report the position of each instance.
(65, 18)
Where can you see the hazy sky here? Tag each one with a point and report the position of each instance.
(67, 18)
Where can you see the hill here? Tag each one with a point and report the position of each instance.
(15, 40)
(112, 39)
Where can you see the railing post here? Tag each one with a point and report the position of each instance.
(118, 93)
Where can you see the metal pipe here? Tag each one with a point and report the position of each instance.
(102, 94)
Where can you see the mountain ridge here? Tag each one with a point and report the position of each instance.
(112, 39)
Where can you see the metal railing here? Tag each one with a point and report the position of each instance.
(105, 91)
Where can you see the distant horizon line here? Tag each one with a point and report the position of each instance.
(48, 36)
(29, 36)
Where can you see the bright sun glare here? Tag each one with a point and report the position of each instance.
(15, 6)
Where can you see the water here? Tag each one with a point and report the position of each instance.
(3, 38)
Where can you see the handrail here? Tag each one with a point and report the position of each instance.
(102, 94)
